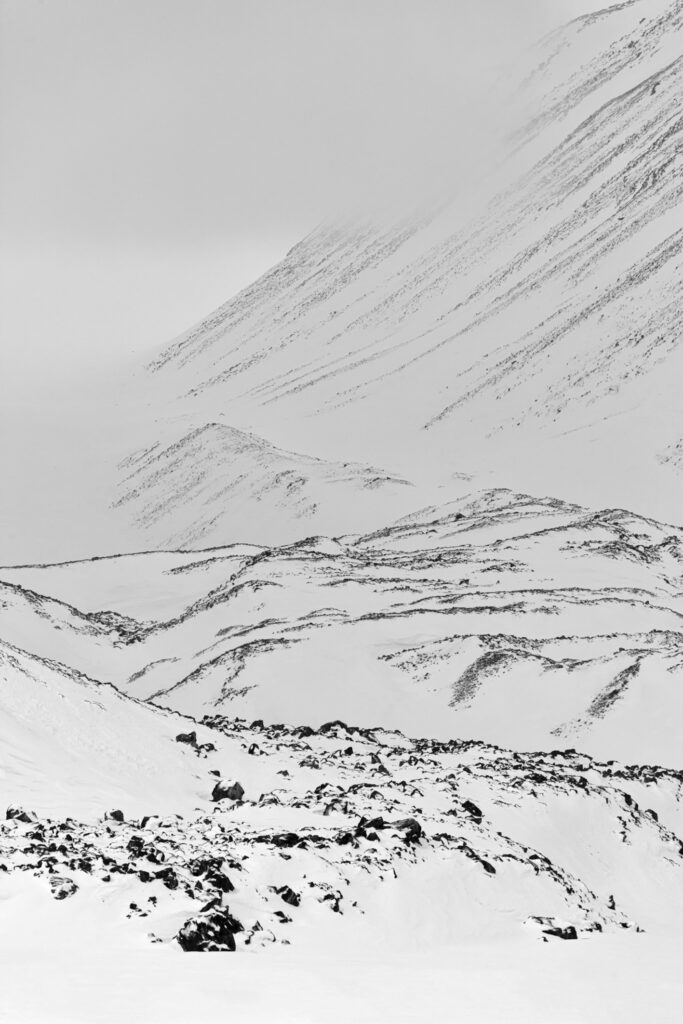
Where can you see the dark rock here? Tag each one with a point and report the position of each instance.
(285, 840)
(227, 791)
(329, 726)
(310, 762)
(411, 827)
(19, 814)
(559, 932)
(472, 810)
(187, 737)
(62, 888)
(288, 895)
(115, 816)
(220, 881)
(213, 929)
(168, 877)
(136, 846)
(203, 865)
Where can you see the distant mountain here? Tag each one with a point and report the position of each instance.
(215, 477)
(531, 329)
(524, 333)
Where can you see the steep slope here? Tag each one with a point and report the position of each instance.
(537, 322)
(530, 623)
(72, 745)
(520, 333)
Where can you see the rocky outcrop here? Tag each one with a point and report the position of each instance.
(247, 868)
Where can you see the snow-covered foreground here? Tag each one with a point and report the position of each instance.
(190, 832)
(626, 979)
(405, 878)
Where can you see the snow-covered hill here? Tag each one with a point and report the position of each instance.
(212, 479)
(525, 622)
(359, 840)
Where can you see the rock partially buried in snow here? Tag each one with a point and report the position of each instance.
(187, 737)
(473, 811)
(411, 827)
(227, 791)
(62, 888)
(212, 930)
(19, 814)
(288, 895)
(190, 738)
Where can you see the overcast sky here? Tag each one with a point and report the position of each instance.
(157, 155)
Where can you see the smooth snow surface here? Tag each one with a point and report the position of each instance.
(486, 984)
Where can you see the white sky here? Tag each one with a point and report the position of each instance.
(157, 155)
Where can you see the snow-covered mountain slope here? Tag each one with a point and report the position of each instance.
(68, 743)
(539, 322)
(215, 477)
(530, 623)
(523, 333)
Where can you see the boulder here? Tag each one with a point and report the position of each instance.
(187, 737)
(473, 811)
(288, 895)
(411, 827)
(227, 791)
(212, 930)
(336, 726)
(62, 887)
(168, 877)
(19, 814)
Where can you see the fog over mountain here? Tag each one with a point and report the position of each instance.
(342, 631)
